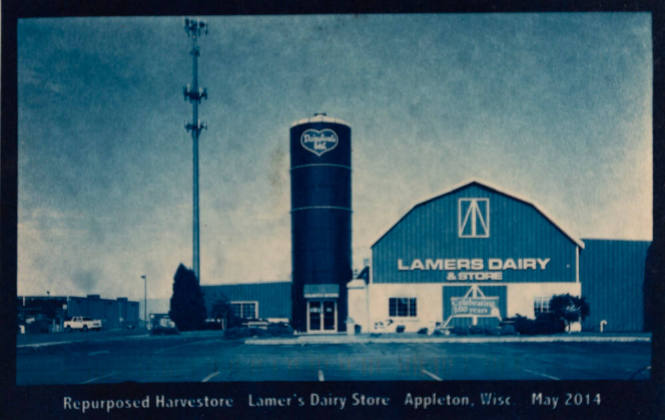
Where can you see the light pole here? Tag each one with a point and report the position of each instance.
(194, 94)
(145, 300)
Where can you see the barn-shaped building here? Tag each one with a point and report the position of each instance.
(471, 256)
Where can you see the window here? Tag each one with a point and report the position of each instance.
(402, 307)
(541, 305)
(245, 310)
(473, 218)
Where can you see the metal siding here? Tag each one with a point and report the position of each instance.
(612, 276)
(274, 298)
(132, 312)
(517, 230)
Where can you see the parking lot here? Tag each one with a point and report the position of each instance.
(208, 357)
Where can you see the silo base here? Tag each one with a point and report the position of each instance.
(321, 310)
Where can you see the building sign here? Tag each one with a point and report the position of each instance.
(474, 275)
(475, 264)
(319, 141)
(464, 269)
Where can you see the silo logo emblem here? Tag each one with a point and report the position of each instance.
(473, 218)
(319, 142)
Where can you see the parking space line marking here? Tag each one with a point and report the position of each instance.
(321, 378)
(98, 377)
(431, 375)
(209, 377)
(94, 353)
(541, 374)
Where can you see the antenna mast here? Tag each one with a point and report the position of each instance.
(194, 94)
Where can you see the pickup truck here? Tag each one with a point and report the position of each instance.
(82, 323)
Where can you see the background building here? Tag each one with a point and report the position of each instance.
(269, 301)
(48, 313)
(612, 273)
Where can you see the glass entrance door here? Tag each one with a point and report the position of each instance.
(321, 316)
(329, 315)
(314, 323)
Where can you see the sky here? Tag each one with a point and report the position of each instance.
(555, 108)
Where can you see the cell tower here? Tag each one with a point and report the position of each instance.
(194, 94)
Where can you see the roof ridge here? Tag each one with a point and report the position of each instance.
(487, 185)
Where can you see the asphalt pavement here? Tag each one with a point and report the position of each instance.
(206, 356)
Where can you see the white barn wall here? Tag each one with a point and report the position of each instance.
(520, 300)
(429, 304)
(358, 303)
(521, 296)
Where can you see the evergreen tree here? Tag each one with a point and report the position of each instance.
(187, 307)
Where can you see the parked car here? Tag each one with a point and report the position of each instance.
(162, 324)
(83, 323)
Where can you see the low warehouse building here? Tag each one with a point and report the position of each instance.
(268, 301)
(612, 273)
(50, 312)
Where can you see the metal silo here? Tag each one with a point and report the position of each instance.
(320, 223)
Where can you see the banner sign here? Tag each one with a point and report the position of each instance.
(480, 306)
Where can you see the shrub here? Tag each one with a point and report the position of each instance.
(545, 323)
(460, 330)
(221, 310)
(492, 331)
(212, 325)
(569, 308)
(279, 329)
(476, 330)
(507, 329)
(549, 323)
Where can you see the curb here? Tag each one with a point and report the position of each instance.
(460, 340)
